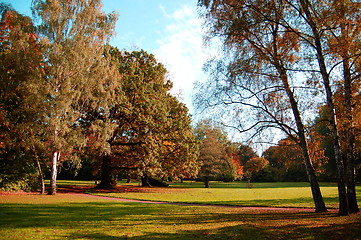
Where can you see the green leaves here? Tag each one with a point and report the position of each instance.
(153, 133)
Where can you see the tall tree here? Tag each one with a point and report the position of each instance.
(21, 66)
(153, 133)
(310, 12)
(257, 73)
(344, 43)
(74, 34)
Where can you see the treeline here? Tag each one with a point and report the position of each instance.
(69, 99)
(224, 160)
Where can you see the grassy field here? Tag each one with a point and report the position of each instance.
(71, 216)
(238, 194)
(79, 216)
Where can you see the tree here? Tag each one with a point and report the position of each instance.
(152, 133)
(73, 35)
(216, 154)
(343, 42)
(256, 74)
(311, 14)
(21, 66)
(253, 166)
(245, 153)
(235, 155)
(286, 160)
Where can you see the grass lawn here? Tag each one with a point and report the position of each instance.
(237, 193)
(74, 216)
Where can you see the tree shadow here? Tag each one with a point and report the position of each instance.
(123, 220)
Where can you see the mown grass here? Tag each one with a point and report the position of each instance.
(69, 216)
(238, 194)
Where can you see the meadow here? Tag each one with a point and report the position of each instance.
(84, 216)
(280, 194)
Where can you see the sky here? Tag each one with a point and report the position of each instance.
(169, 29)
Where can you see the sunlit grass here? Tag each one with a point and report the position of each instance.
(72, 216)
(262, 194)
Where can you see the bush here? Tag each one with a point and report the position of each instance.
(10, 183)
(157, 182)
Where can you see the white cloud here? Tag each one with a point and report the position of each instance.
(182, 51)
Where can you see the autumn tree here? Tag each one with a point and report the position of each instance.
(334, 44)
(152, 134)
(216, 154)
(254, 166)
(235, 156)
(285, 160)
(258, 73)
(343, 43)
(21, 67)
(245, 153)
(73, 35)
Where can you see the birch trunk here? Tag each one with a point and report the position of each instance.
(343, 202)
(315, 188)
(53, 173)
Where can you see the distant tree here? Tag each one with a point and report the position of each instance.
(232, 150)
(73, 34)
(214, 159)
(217, 155)
(254, 166)
(245, 153)
(286, 160)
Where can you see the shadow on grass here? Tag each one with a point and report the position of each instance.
(305, 202)
(118, 220)
(236, 184)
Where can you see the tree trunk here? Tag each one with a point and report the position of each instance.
(106, 177)
(315, 188)
(129, 179)
(350, 136)
(206, 182)
(343, 202)
(53, 173)
(145, 181)
(41, 176)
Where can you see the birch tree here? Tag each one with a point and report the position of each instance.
(74, 34)
(256, 75)
(342, 19)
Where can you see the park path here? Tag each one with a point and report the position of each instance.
(203, 205)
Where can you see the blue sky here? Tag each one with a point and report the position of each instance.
(170, 29)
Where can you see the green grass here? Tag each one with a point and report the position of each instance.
(69, 216)
(72, 182)
(238, 194)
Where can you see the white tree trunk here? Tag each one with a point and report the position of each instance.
(53, 173)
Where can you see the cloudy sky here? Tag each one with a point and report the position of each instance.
(170, 29)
